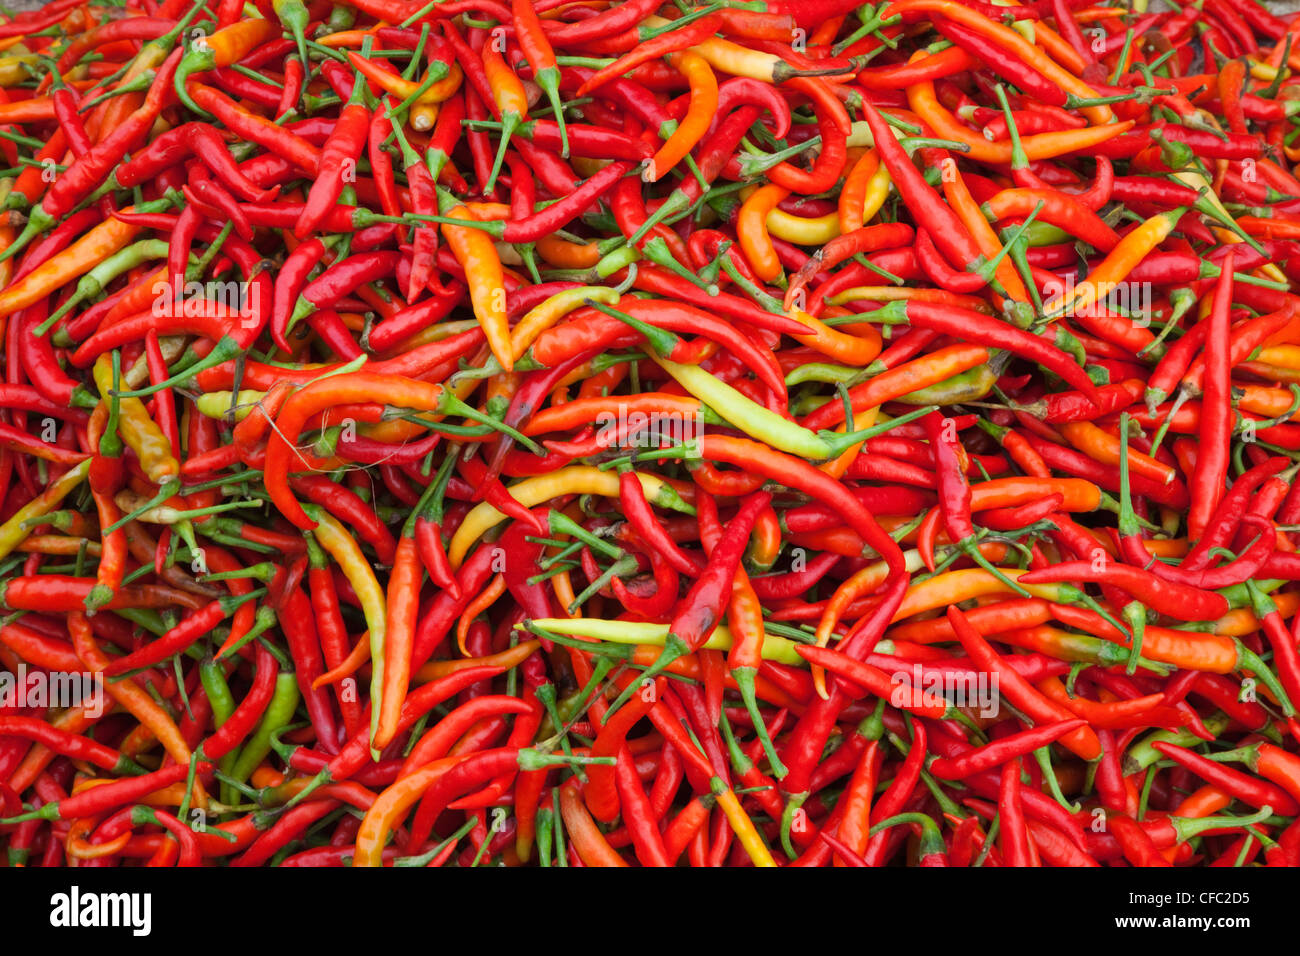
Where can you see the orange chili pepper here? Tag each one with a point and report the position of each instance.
(133, 698)
(511, 102)
(699, 114)
(963, 203)
(88, 251)
(1101, 446)
(1014, 43)
(751, 229)
(853, 194)
(477, 255)
(921, 97)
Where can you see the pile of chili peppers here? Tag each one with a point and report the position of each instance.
(567, 433)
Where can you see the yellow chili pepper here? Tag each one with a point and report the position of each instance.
(649, 634)
(343, 548)
(572, 480)
(424, 115)
(141, 434)
(1263, 72)
(546, 314)
(220, 404)
(738, 60)
(1284, 356)
(816, 231)
(16, 69)
(753, 419)
(12, 532)
(877, 192)
(891, 293)
(746, 834)
(1195, 181)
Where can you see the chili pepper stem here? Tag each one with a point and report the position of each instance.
(744, 677)
(264, 620)
(510, 122)
(793, 804)
(1250, 661)
(674, 648)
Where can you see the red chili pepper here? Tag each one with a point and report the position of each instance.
(340, 151)
(1002, 750)
(1168, 597)
(1257, 793)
